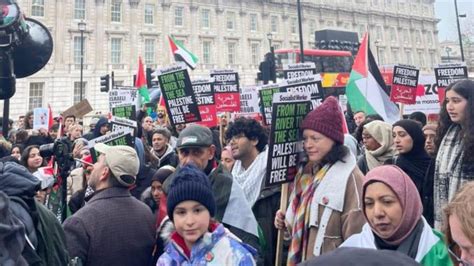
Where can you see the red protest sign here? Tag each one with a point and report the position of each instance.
(227, 92)
(404, 84)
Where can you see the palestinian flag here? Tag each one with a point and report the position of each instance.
(140, 83)
(366, 89)
(181, 54)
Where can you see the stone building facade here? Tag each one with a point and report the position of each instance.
(221, 33)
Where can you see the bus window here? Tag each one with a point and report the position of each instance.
(337, 64)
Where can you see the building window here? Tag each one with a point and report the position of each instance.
(80, 9)
(206, 52)
(274, 24)
(178, 16)
(77, 49)
(149, 51)
(149, 13)
(77, 91)
(205, 18)
(116, 11)
(394, 55)
(382, 56)
(294, 25)
(432, 59)
(255, 49)
(115, 50)
(408, 58)
(312, 26)
(429, 36)
(379, 33)
(362, 31)
(406, 36)
(393, 35)
(37, 8)
(421, 59)
(230, 21)
(36, 95)
(418, 37)
(231, 52)
(253, 22)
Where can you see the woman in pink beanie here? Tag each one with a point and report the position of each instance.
(393, 209)
(324, 205)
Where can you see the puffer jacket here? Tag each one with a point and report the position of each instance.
(218, 247)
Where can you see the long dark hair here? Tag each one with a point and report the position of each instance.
(465, 88)
(26, 154)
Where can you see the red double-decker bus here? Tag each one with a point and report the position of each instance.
(334, 66)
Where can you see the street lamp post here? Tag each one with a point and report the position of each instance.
(300, 31)
(82, 28)
(269, 38)
(459, 28)
(448, 50)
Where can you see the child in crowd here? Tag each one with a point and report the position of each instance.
(199, 240)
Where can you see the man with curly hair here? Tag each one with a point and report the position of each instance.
(248, 141)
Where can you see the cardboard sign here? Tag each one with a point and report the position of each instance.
(80, 109)
(404, 84)
(125, 111)
(40, 118)
(122, 137)
(298, 70)
(122, 97)
(446, 74)
(204, 91)
(285, 145)
(427, 100)
(249, 100)
(179, 96)
(226, 87)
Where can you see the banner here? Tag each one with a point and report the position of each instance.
(122, 97)
(179, 96)
(249, 100)
(125, 111)
(446, 74)
(122, 137)
(404, 83)
(204, 92)
(427, 97)
(285, 145)
(226, 87)
(40, 118)
(299, 70)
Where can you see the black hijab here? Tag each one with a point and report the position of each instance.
(415, 162)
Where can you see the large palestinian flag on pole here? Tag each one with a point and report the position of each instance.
(182, 54)
(366, 89)
(140, 83)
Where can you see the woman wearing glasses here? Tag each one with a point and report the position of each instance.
(459, 225)
(393, 210)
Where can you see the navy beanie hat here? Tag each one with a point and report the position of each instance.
(190, 183)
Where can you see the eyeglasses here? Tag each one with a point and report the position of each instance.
(456, 257)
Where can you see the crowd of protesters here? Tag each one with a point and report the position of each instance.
(400, 194)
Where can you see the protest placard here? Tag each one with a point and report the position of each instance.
(226, 87)
(289, 109)
(121, 137)
(298, 70)
(266, 99)
(40, 118)
(80, 109)
(446, 74)
(427, 97)
(308, 84)
(120, 123)
(178, 93)
(125, 111)
(404, 84)
(122, 97)
(249, 100)
(204, 92)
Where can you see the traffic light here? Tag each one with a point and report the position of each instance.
(105, 83)
(150, 78)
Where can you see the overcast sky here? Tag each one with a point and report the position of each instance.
(444, 10)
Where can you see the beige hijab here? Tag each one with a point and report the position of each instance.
(382, 133)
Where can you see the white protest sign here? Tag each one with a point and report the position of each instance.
(249, 100)
(122, 97)
(40, 118)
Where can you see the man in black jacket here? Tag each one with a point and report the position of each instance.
(161, 149)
